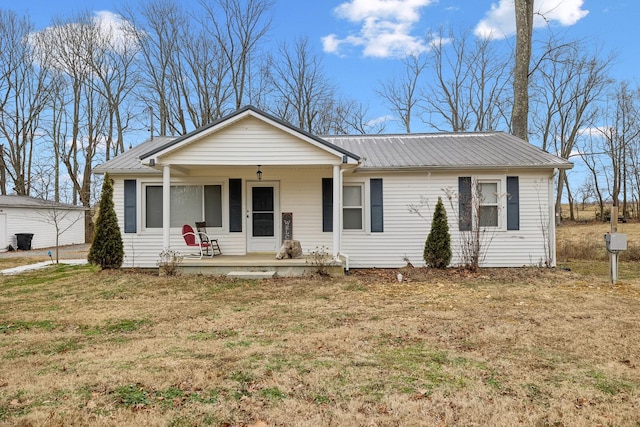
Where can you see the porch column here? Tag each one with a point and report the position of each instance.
(166, 206)
(337, 206)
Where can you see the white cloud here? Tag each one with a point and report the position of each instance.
(499, 21)
(385, 28)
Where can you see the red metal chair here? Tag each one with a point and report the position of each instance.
(192, 239)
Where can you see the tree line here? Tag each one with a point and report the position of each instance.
(71, 93)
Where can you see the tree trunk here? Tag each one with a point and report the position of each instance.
(524, 30)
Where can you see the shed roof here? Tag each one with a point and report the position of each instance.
(13, 201)
(447, 151)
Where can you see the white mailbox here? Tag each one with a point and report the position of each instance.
(616, 242)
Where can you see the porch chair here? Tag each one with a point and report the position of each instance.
(192, 240)
(201, 227)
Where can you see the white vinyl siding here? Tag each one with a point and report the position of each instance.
(254, 142)
(405, 232)
(41, 223)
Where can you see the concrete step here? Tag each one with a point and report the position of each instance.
(252, 274)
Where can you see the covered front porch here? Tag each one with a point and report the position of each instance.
(260, 265)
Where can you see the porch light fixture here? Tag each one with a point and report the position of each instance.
(259, 173)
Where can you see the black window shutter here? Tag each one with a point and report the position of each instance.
(465, 200)
(235, 205)
(377, 210)
(513, 203)
(327, 204)
(130, 206)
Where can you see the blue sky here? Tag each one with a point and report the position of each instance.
(360, 40)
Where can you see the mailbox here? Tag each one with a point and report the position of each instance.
(616, 242)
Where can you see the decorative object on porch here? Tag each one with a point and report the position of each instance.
(287, 226)
(259, 173)
(290, 249)
(201, 227)
(193, 240)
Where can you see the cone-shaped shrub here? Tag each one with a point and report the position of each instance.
(107, 249)
(437, 248)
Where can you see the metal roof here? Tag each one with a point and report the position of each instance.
(447, 151)
(129, 161)
(478, 150)
(13, 201)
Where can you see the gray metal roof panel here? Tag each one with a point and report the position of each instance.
(14, 201)
(446, 150)
(438, 150)
(129, 161)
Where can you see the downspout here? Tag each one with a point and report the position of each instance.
(552, 218)
(338, 177)
(346, 257)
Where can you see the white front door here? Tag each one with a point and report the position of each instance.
(263, 211)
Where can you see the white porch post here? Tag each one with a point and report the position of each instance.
(337, 203)
(166, 206)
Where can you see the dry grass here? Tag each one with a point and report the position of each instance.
(501, 347)
(586, 241)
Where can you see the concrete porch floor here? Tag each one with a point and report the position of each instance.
(255, 262)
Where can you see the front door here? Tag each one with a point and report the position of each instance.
(262, 216)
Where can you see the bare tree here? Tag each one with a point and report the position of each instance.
(156, 26)
(303, 95)
(589, 153)
(238, 27)
(205, 80)
(353, 117)
(521, 73)
(115, 76)
(622, 129)
(470, 88)
(24, 94)
(400, 93)
(68, 48)
(569, 81)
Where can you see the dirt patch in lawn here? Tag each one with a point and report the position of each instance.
(500, 347)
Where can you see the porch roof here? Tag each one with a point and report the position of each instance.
(248, 111)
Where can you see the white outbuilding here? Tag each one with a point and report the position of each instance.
(31, 223)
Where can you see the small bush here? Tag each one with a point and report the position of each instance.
(437, 248)
(319, 259)
(169, 262)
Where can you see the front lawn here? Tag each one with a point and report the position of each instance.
(501, 347)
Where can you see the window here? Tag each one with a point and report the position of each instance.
(189, 203)
(485, 203)
(488, 204)
(352, 207)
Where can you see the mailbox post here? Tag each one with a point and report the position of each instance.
(616, 242)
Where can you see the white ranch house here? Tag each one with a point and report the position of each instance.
(368, 199)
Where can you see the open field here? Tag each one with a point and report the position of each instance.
(585, 241)
(502, 347)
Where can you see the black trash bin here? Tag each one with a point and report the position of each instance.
(23, 241)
